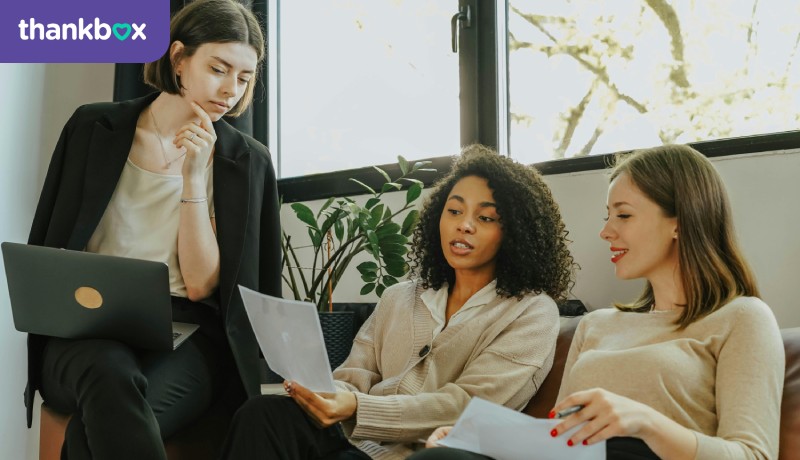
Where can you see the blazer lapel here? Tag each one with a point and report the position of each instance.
(231, 204)
(109, 147)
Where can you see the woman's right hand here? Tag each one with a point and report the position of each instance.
(609, 415)
(437, 435)
(325, 409)
(606, 414)
(198, 139)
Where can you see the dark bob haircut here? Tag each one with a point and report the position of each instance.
(201, 22)
(533, 255)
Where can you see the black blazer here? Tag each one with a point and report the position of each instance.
(83, 173)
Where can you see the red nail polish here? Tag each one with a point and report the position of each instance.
(554, 433)
(551, 414)
(585, 443)
(569, 442)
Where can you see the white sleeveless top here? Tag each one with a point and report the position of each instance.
(142, 218)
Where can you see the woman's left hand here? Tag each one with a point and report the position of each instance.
(437, 435)
(198, 140)
(325, 409)
(606, 414)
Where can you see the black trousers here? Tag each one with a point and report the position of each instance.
(125, 401)
(616, 449)
(274, 427)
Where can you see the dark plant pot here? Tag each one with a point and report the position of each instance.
(338, 330)
(361, 310)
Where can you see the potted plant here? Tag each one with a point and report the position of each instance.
(343, 229)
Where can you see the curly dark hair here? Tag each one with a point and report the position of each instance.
(533, 255)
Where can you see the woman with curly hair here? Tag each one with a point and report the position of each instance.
(478, 318)
(531, 221)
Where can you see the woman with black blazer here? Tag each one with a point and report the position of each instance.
(164, 178)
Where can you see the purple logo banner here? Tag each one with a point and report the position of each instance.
(83, 30)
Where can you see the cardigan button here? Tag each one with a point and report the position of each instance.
(424, 351)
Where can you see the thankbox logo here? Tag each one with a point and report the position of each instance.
(84, 31)
(33, 30)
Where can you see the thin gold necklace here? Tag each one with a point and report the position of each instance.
(167, 163)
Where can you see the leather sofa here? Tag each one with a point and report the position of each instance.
(202, 440)
(545, 398)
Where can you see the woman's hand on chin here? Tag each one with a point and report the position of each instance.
(198, 141)
(325, 409)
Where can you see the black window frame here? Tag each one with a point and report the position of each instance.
(337, 183)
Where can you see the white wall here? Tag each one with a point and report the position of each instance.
(37, 101)
(762, 187)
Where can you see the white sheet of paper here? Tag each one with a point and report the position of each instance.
(290, 337)
(505, 434)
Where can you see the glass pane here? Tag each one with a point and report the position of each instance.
(591, 77)
(362, 81)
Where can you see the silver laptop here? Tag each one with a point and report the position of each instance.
(82, 295)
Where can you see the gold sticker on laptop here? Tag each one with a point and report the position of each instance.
(88, 297)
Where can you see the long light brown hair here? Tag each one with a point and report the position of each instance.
(685, 185)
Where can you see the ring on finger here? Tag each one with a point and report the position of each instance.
(191, 138)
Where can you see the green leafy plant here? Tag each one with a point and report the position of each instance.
(342, 229)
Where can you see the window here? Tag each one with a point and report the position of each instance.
(600, 77)
(360, 82)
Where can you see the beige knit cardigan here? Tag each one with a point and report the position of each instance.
(407, 384)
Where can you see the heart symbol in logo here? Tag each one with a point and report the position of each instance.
(121, 35)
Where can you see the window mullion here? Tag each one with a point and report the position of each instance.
(478, 74)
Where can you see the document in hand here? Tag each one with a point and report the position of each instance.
(505, 434)
(290, 337)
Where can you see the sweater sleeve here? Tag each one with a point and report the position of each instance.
(507, 371)
(750, 373)
(574, 350)
(360, 371)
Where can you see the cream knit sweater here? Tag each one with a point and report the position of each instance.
(404, 393)
(721, 377)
